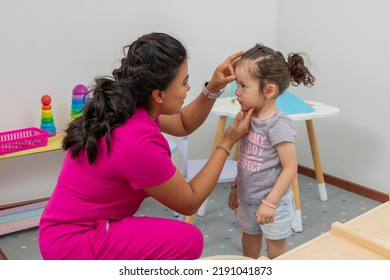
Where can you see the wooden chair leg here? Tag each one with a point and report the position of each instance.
(190, 219)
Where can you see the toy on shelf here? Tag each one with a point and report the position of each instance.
(47, 120)
(80, 97)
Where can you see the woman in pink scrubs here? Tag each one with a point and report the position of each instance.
(116, 157)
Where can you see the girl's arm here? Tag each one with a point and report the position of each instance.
(288, 158)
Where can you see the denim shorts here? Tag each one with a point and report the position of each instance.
(283, 223)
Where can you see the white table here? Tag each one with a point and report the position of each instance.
(226, 107)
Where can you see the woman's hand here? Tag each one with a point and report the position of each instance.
(224, 73)
(238, 129)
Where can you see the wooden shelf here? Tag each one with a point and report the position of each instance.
(20, 218)
(26, 216)
(54, 143)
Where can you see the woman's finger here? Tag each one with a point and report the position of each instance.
(247, 117)
(235, 57)
(228, 66)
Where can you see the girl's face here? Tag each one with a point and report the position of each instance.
(173, 97)
(248, 90)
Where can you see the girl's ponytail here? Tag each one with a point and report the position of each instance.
(299, 72)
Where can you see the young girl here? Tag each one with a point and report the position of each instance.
(267, 161)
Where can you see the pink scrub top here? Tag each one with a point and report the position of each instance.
(109, 189)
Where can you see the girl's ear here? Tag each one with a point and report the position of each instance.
(270, 90)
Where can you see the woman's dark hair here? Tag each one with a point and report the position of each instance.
(271, 66)
(152, 62)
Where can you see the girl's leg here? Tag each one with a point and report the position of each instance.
(275, 247)
(251, 245)
(146, 238)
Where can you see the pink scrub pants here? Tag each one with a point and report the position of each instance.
(130, 238)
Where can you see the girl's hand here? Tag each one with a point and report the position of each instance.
(265, 214)
(233, 199)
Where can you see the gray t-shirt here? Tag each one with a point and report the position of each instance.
(258, 164)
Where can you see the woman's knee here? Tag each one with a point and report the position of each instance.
(189, 242)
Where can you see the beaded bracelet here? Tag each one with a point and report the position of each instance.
(233, 186)
(211, 95)
(268, 204)
(226, 149)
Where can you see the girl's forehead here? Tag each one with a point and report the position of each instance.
(243, 63)
(244, 68)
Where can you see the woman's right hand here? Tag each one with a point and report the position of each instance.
(224, 73)
(238, 129)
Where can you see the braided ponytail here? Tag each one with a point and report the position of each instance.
(152, 62)
(109, 108)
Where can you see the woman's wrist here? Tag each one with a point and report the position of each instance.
(227, 144)
(213, 87)
(211, 91)
(223, 147)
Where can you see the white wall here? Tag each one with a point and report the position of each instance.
(348, 43)
(49, 46)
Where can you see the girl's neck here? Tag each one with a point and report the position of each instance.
(265, 111)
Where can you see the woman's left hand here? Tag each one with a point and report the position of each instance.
(224, 73)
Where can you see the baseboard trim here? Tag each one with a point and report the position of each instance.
(346, 185)
(22, 203)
